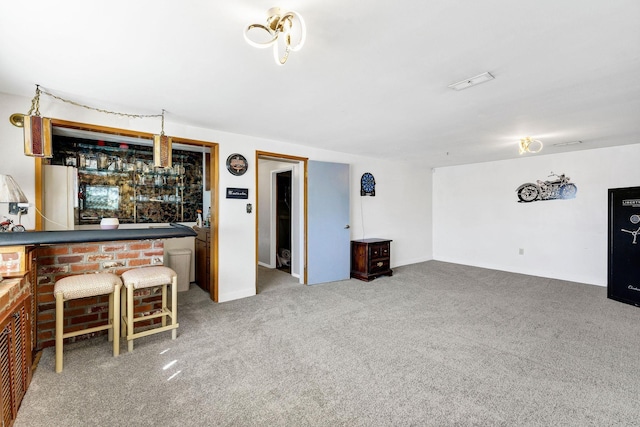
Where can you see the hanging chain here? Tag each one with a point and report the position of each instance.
(162, 125)
(36, 103)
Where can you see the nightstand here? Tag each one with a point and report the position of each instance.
(370, 258)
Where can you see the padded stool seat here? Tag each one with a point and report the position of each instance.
(148, 277)
(83, 286)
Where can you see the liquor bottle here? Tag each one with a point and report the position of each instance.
(81, 197)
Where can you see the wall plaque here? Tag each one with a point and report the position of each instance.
(237, 193)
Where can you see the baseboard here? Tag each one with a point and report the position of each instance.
(411, 261)
(231, 296)
(263, 264)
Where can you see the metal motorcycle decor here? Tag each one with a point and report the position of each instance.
(557, 188)
(8, 225)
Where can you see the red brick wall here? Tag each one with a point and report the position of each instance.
(57, 261)
(10, 290)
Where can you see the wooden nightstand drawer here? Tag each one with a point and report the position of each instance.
(379, 250)
(379, 266)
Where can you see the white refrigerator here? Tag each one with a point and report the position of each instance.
(60, 197)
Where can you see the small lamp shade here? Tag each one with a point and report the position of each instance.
(162, 151)
(37, 136)
(10, 192)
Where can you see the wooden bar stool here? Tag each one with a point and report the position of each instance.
(83, 286)
(147, 277)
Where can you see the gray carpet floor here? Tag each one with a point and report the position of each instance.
(436, 344)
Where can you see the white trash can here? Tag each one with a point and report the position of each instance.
(180, 262)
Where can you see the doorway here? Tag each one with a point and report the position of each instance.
(283, 221)
(280, 219)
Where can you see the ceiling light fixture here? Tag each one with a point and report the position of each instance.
(480, 78)
(36, 129)
(162, 148)
(528, 145)
(285, 31)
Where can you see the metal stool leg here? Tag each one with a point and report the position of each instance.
(115, 320)
(130, 302)
(59, 331)
(164, 304)
(174, 306)
(123, 312)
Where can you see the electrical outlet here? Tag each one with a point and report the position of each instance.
(521, 251)
(18, 208)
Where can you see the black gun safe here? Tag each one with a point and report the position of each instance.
(624, 245)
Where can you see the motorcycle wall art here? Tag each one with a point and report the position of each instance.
(557, 187)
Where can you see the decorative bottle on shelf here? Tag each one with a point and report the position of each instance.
(81, 195)
(207, 222)
(199, 220)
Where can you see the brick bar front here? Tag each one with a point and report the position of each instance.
(57, 261)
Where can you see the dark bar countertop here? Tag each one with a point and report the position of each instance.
(31, 238)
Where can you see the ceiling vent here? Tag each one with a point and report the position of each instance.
(564, 144)
(480, 78)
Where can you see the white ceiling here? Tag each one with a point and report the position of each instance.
(371, 79)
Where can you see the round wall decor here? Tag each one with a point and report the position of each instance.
(236, 164)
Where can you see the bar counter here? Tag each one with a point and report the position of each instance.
(33, 238)
(44, 257)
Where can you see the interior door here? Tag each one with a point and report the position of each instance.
(327, 222)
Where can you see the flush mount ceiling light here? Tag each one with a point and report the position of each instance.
(285, 31)
(480, 78)
(528, 145)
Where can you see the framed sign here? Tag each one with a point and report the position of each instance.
(237, 193)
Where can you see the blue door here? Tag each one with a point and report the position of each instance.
(328, 233)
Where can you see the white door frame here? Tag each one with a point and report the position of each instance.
(298, 212)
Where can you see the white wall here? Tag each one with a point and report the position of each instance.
(264, 214)
(400, 211)
(477, 219)
(13, 161)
